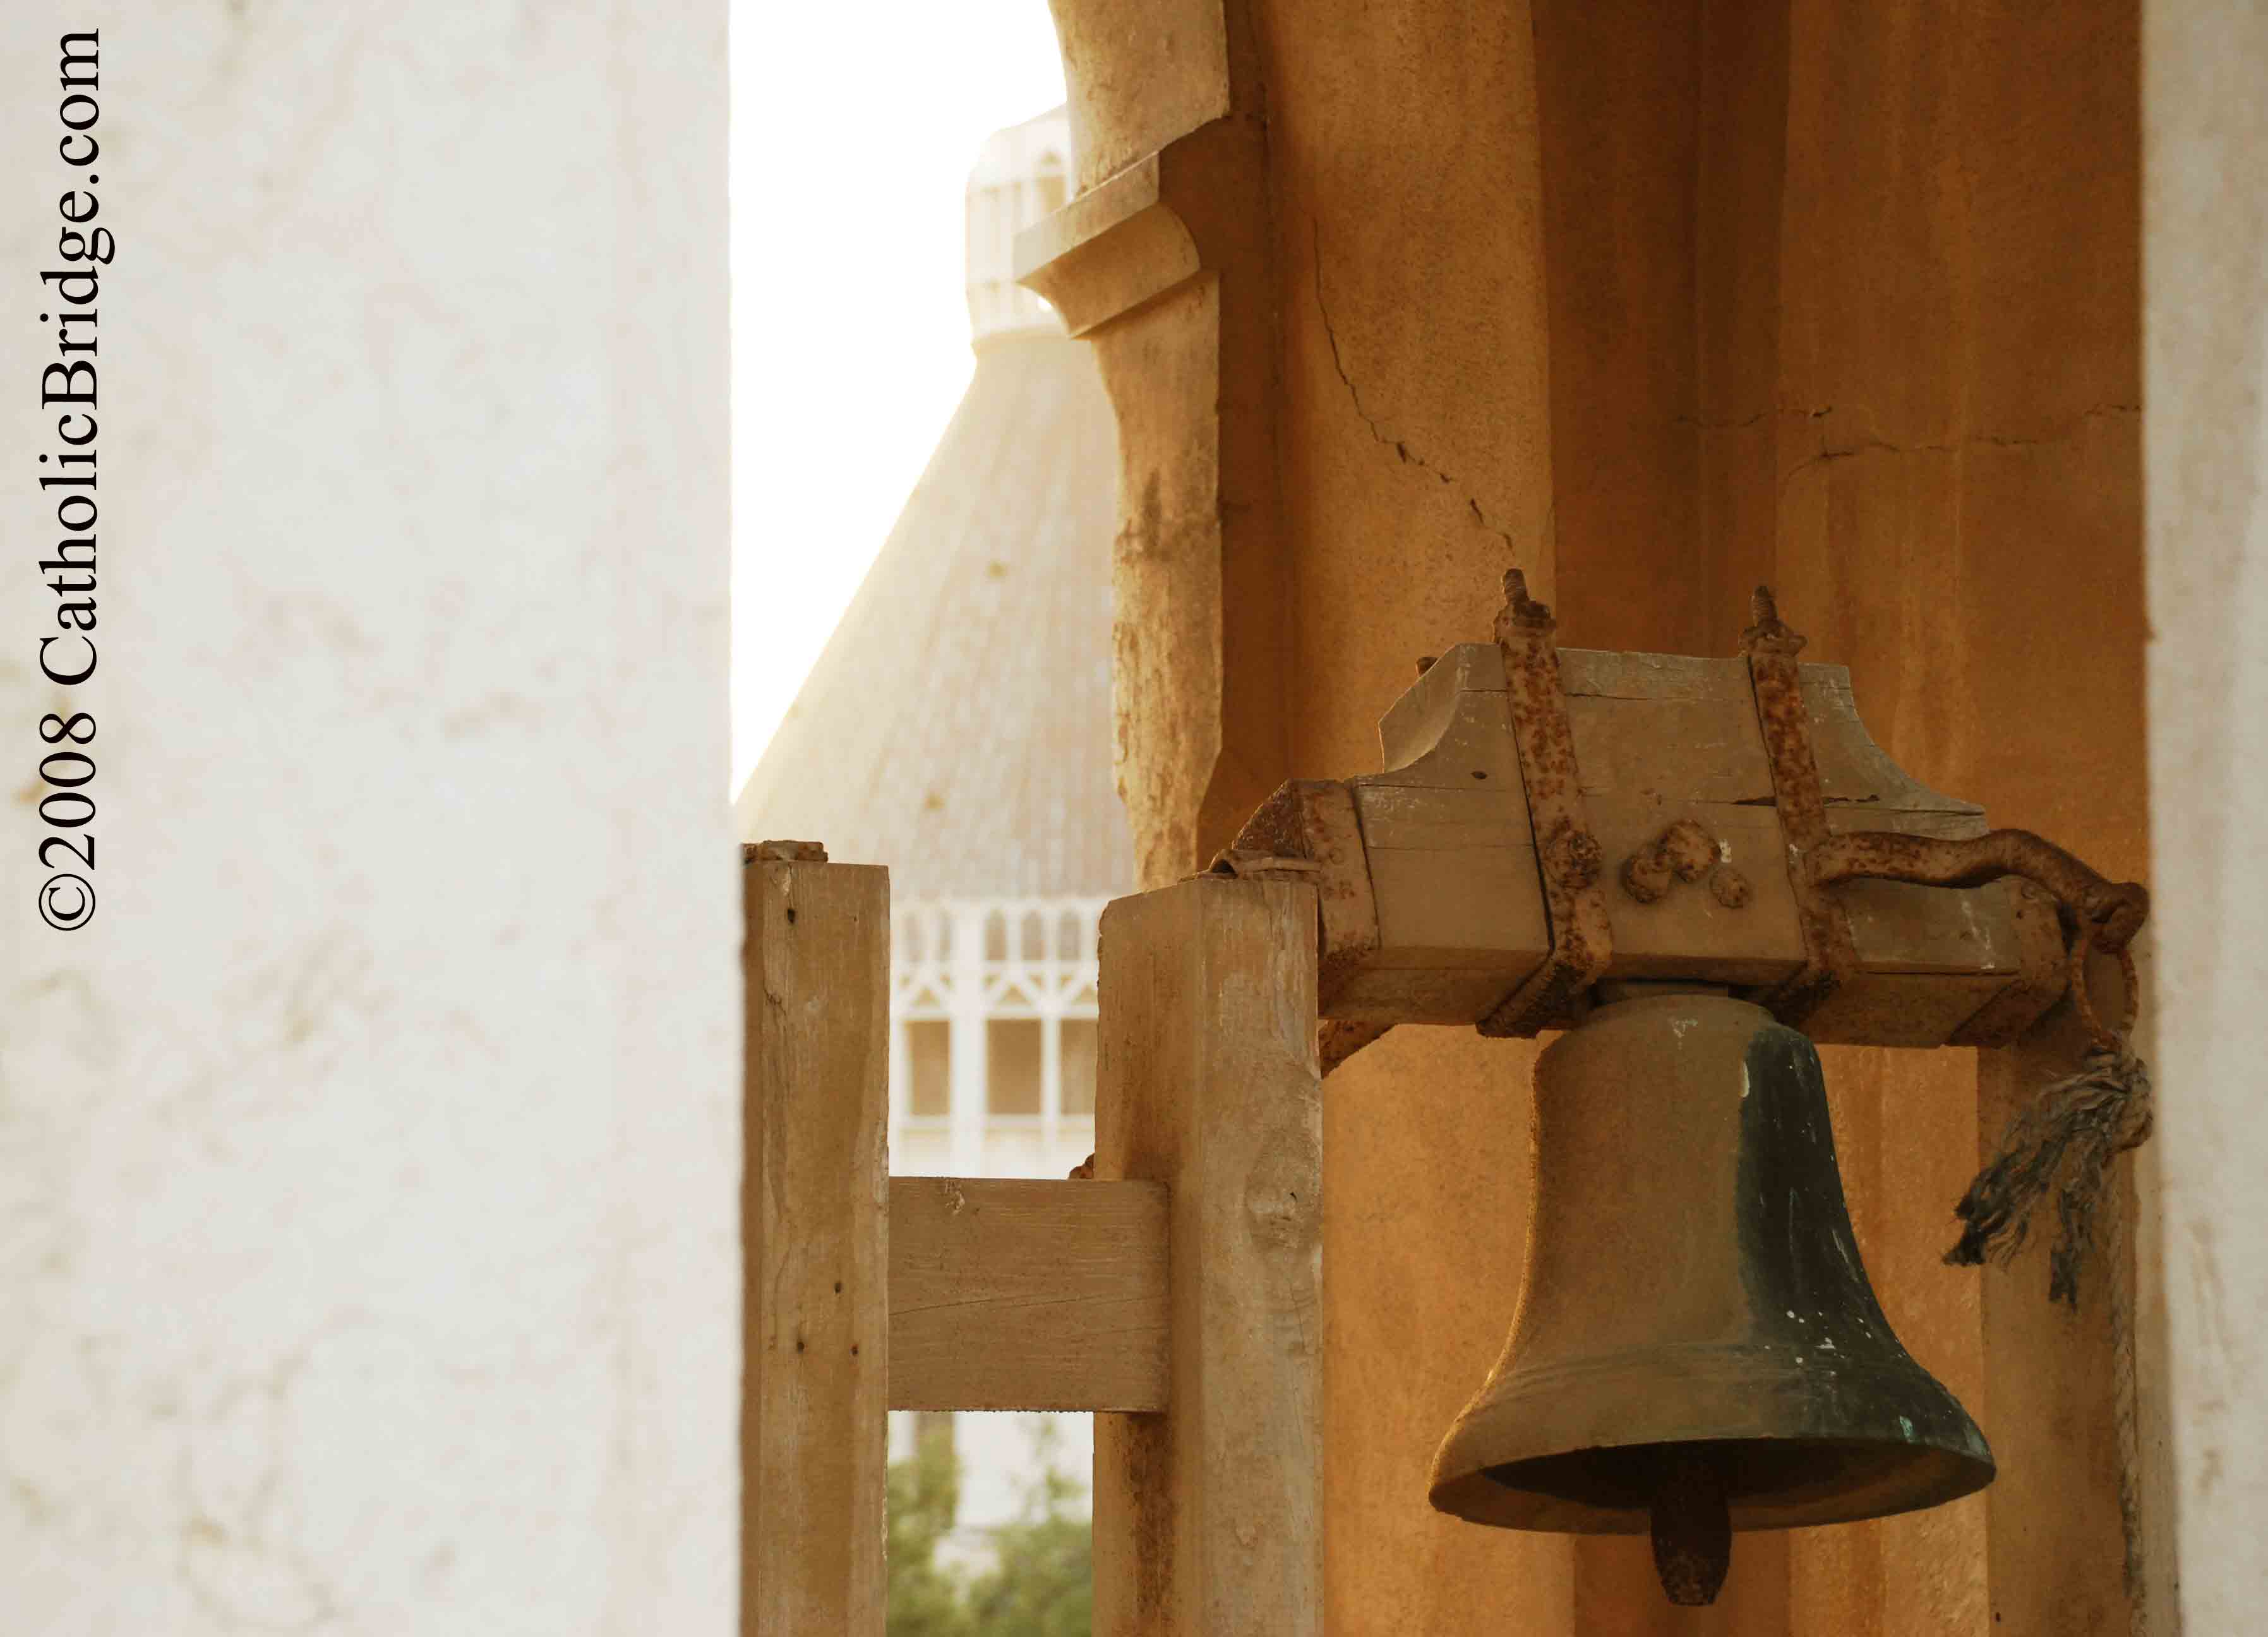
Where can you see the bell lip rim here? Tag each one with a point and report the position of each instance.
(1968, 1474)
(1745, 1361)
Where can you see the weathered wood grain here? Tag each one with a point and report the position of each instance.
(1027, 1296)
(1659, 738)
(1208, 1518)
(2064, 1542)
(815, 1229)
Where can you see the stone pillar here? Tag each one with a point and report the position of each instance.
(2207, 249)
(368, 1164)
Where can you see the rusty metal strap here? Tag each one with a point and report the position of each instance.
(1829, 955)
(2111, 912)
(1567, 854)
(1309, 831)
(2106, 914)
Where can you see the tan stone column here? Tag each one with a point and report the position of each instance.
(1164, 262)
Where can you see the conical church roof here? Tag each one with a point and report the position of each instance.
(957, 726)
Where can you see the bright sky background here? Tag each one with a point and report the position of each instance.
(853, 131)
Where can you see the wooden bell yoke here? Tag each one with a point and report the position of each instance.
(1553, 821)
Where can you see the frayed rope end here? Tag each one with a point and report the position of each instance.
(2065, 1142)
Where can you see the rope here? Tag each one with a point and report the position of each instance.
(2065, 1143)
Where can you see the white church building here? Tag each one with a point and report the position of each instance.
(957, 728)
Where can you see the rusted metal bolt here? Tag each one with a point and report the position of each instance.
(1682, 852)
(1521, 611)
(1578, 857)
(1770, 632)
(1728, 887)
(1646, 878)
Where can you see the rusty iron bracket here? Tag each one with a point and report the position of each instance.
(2042, 974)
(1829, 954)
(2105, 914)
(1567, 854)
(2108, 912)
(1430, 841)
(1308, 831)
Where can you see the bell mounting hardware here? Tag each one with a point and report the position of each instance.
(1553, 819)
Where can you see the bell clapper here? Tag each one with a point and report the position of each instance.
(1692, 1529)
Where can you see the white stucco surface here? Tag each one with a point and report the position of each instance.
(368, 1165)
(2205, 265)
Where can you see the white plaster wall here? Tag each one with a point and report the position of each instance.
(368, 1166)
(2205, 267)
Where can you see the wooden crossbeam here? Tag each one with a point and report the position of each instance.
(1176, 1295)
(1027, 1296)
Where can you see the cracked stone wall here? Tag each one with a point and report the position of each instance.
(368, 1165)
(1658, 303)
(1655, 302)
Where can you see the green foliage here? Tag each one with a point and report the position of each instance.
(925, 1599)
(1043, 1585)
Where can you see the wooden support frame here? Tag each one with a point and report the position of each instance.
(1178, 1295)
(815, 1221)
(1027, 1296)
(1208, 1519)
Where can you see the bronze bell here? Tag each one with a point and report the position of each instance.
(1697, 1349)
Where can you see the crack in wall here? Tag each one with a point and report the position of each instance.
(1717, 426)
(1760, 415)
(1870, 444)
(1827, 452)
(1401, 447)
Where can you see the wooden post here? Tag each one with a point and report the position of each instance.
(2065, 1550)
(814, 1219)
(1208, 1517)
